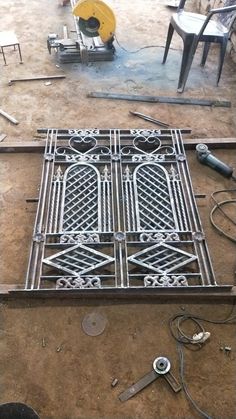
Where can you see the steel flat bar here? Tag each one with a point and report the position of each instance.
(140, 385)
(59, 76)
(161, 99)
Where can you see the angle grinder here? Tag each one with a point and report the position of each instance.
(205, 156)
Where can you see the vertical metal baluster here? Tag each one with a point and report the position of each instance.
(133, 228)
(58, 199)
(108, 183)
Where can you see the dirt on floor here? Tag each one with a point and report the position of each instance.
(47, 361)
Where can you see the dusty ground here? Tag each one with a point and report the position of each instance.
(70, 377)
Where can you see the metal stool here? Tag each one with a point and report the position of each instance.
(9, 39)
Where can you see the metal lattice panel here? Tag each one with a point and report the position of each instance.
(81, 210)
(153, 195)
(117, 211)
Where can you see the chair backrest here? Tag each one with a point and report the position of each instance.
(228, 19)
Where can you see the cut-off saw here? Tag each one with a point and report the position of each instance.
(95, 26)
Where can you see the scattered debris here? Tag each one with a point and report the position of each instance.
(226, 349)
(200, 195)
(48, 83)
(44, 343)
(32, 200)
(59, 348)
(9, 117)
(2, 137)
(161, 99)
(114, 382)
(59, 76)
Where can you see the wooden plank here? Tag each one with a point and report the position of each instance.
(38, 146)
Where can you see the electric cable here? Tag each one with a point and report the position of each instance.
(219, 206)
(185, 388)
(176, 328)
(140, 49)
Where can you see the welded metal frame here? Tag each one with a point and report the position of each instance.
(117, 212)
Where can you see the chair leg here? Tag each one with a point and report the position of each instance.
(168, 41)
(205, 53)
(190, 46)
(223, 46)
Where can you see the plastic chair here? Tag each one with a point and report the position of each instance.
(194, 28)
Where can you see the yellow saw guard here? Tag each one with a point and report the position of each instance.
(97, 9)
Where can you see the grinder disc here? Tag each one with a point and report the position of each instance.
(93, 324)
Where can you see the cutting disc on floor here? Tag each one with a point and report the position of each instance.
(93, 324)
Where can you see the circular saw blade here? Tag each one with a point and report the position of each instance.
(89, 27)
(93, 324)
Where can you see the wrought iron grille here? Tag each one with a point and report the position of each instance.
(117, 211)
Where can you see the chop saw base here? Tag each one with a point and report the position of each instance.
(84, 50)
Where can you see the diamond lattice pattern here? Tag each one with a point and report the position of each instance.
(155, 210)
(78, 259)
(81, 199)
(162, 258)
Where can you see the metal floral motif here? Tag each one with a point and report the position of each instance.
(79, 238)
(159, 237)
(83, 132)
(78, 282)
(165, 281)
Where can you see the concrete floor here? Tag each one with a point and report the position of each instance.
(46, 359)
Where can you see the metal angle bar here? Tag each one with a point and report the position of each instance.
(194, 293)
(189, 144)
(161, 99)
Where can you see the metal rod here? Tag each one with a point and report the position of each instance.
(161, 99)
(9, 117)
(149, 119)
(59, 76)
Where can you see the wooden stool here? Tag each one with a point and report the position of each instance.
(9, 39)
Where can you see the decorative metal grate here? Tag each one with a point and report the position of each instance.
(117, 211)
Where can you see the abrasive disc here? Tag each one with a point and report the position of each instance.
(93, 324)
